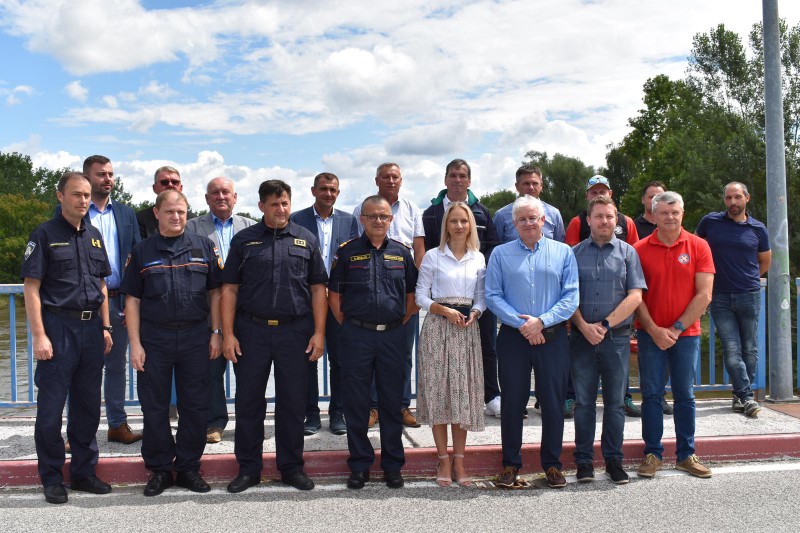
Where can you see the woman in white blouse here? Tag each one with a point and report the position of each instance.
(450, 289)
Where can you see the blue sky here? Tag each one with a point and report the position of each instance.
(287, 89)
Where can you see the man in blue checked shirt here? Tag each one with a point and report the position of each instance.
(532, 287)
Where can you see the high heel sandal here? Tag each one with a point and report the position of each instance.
(462, 481)
(442, 481)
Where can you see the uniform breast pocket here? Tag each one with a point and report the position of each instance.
(198, 274)
(155, 283)
(298, 260)
(97, 260)
(62, 263)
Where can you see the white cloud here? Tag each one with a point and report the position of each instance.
(110, 101)
(77, 91)
(12, 95)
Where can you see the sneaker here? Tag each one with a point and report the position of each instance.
(508, 478)
(616, 474)
(693, 466)
(569, 408)
(649, 466)
(409, 420)
(493, 407)
(585, 473)
(752, 408)
(630, 408)
(373, 417)
(555, 478)
(666, 408)
(738, 405)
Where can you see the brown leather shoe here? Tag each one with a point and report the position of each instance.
(409, 420)
(555, 478)
(373, 417)
(214, 435)
(508, 479)
(123, 434)
(67, 448)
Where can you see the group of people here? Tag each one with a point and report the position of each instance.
(188, 294)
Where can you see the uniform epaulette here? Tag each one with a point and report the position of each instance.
(402, 243)
(347, 242)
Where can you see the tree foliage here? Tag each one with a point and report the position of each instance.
(495, 200)
(18, 217)
(564, 181)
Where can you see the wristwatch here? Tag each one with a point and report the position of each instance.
(217, 331)
(679, 325)
(109, 329)
(605, 324)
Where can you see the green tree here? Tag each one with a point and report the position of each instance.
(18, 217)
(564, 179)
(495, 200)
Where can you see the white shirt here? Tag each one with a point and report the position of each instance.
(441, 275)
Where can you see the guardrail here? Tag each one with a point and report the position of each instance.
(10, 386)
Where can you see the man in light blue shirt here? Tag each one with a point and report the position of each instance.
(532, 287)
(529, 181)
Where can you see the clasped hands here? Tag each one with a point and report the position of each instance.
(532, 329)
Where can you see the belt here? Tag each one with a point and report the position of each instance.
(549, 333)
(113, 293)
(376, 327)
(176, 325)
(71, 313)
(280, 320)
(463, 309)
(622, 330)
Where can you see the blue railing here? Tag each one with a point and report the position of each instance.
(10, 394)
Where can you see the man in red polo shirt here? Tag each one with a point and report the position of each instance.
(679, 272)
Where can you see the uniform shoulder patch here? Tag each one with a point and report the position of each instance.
(29, 249)
(347, 242)
(401, 243)
(127, 262)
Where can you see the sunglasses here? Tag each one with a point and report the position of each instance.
(166, 182)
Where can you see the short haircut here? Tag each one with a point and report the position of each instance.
(455, 163)
(167, 169)
(654, 183)
(740, 184)
(227, 180)
(526, 201)
(273, 188)
(69, 176)
(668, 197)
(472, 236)
(384, 165)
(528, 169)
(92, 159)
(164, 195)
(328, 176)
(374, 199)
(604, 200)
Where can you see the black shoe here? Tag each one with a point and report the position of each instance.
(312, 425)
(55, 494)
(585, 473)
(616, 474)
(242, 483)
(192, 480)
(666, 407)
(357, 480)
(298, 480)
(393, 479)
(158, 483)
(90, 484)
(525, 414)
(338, 425)
(630, 408)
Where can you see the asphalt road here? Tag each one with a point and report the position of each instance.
(740, 497)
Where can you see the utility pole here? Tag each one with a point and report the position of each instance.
(779, 286)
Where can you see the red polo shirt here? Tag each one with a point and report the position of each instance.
(669, 272)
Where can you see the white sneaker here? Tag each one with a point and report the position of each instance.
(493, 407)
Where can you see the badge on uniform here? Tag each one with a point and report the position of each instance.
(97, 243)
(219, 258)
(393, 257)
(359, 257)
(300, 242)
(29, 249)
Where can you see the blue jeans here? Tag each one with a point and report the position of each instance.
(736, 318)
(609, 360)
(682, 361)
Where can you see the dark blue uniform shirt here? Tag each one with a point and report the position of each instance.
(275, 268)
(70, 263)
(373, 282)
(172, 276)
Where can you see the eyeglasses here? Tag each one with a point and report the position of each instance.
(166, 182)
(373, 218)
(529, 220)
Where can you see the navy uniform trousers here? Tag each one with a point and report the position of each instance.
(550, 363)
(364, 354)
(184, 351)
(262, 345)
(76, 366)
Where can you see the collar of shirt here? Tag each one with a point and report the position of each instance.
(653, 239)
(612, 242)
(723, 215)
(222, 223)
(320, 217)
(449, 253)
(109, 205)
(367, 242)
(178, 244)
(535, 246)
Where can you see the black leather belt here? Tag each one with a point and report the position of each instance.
(463, 309)
(280, 320)
(72, 313)
(376, 327)
(550, 333)
(622, 331)
(176, 325)
(113, 293)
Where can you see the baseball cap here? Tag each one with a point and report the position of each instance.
(597, 180)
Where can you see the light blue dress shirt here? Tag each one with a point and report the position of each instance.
(224, 234)
(553, 224)
(324, 234)
(542, 282)
(107, 224)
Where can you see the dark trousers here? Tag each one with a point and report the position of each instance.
(488, 327)
(262, 346)
(184, 352)
(410, 332)
(332, 349)
(217, 401)
(366, 354)
(76, 366)
(550, 363)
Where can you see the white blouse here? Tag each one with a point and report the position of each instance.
(441, 275)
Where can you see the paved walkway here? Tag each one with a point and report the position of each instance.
(721, 435)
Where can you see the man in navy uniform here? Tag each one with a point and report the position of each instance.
(371, 294)
(171, 285)
(67, 305)
(332, 227)
(273, 311)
